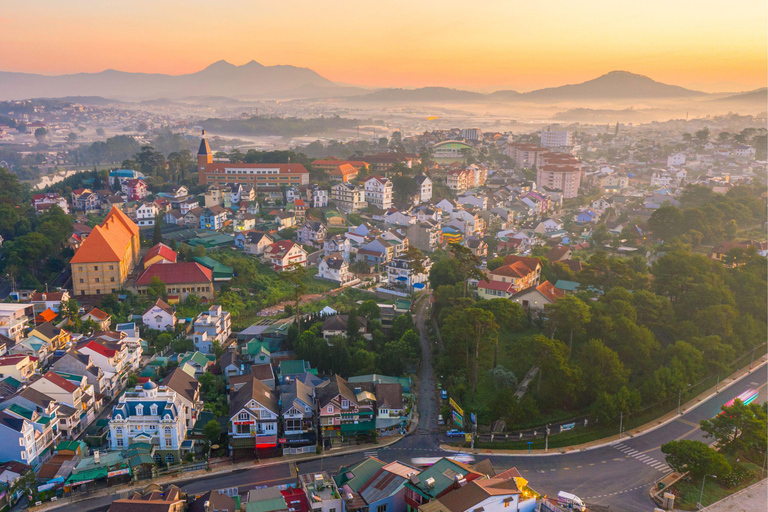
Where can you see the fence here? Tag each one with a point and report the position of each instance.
(299, 450)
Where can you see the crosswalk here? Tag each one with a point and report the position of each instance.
(371, 454)
(645, 459)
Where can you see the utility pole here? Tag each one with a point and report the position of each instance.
(679, 397)
(701, 496)
(753, 358)
(621, 423)
(717, 386)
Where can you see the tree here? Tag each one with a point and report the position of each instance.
(71, 137)
(507, 314)
(70, 310)
(149, 160)
(41, 134)
(467, 263)
(157, 234)
(295, 278)
(696, 458)
(404, 187)
(702, 135)
(570, 313)
(739, 427)
(472, 328)
(212, 431)
(495, 263)
(156, 289)
(353, 326)
(100, 132)
(666, 222)
(601, 369)
(369, 310)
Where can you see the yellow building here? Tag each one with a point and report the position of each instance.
(102, 263)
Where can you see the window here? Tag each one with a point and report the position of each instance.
(111, 267)
(167, 431)
(119, 431)
(345, 404)
(243, 429)
(140, 410)
(382, 508)
(95, 267)
(119, 442)
(329, 409)
(81, 281)
(157, 458)
(112, 279)
(79, 269)
(169, 458)
(243, 416)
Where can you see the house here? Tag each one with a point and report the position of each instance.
(49, 300)
(192, 217)
(547, 226)
(500, 493)
(195, 363)
(340, 413)
(111, 360)
(229, 362)
(400, 271)
(263, 371)
(336, 325)
(150, 413)
(174, 217)
(344, 172)
(105, 259)
(424, 235)
(377, 251)
(285, 254)
(42, 202)
(425, 188)
(180, 280)
(213, 217)
(214, 501)
(378, 192)
(77, 363)
(297, 402)
(321, 492)
(187, 390)
(389, 402)
(253, 418)
(135, 189)
(154, 499)
(676, 159)
(558, 253)
(537, 297)
(478, 247)
(311, 233)
(443, 477)
(585, 216)
(159, 253)
(85, 200)
(20, 367)
(253, 242)
(267, 499)
(244, 222)
(473, 200)
(285, 220)
(460, 180)
(348, 197)
(495, 289)
(337, 244)
(335, 268)
(146, 214)
(319, 197)
(18, 436)
(102, 320)
(214, 325)
(160, 316)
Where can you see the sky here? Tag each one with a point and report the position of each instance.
(711, 45)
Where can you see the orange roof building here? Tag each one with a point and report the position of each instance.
(102, 263)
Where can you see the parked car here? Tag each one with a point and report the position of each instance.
(440, 420)
(455, 433)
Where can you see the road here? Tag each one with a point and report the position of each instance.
(618, 475)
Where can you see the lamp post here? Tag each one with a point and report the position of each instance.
(701, 495)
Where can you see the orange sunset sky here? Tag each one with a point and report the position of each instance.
(704, 44)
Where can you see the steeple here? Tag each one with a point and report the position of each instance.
(204, 155)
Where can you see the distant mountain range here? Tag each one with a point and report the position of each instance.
(218, 79)
(756, 96)
(254, 80)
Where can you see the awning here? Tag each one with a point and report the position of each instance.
(266, 441)
(88, 474)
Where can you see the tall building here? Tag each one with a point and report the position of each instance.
(102, 263)
(255, 175)
(378, 192)
(524, 155)
(559, 171)
(556, 139)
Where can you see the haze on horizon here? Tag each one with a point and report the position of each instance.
(496, 44)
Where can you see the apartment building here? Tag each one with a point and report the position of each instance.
(14, 319)
(349, 197)
(378, 192)
(212, 325)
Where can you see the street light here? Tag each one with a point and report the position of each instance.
(701, 496)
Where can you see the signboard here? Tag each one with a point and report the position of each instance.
(456, 406)
(468, 438)
(473, 418)
(458, 419)
(118, 472)
(249, 422)
(568, 426)
(283, 440)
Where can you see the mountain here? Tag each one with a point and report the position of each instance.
(756, 96)
(613, 85)
(219, 79)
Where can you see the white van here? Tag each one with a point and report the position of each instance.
(571, 501)
(440, 420)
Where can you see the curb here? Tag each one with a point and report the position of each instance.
(579, 448)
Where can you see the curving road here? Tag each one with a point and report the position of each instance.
(617, 475)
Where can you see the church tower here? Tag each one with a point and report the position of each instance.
(204, 157)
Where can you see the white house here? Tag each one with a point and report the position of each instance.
(253, 416)
(319, 197)
(145, 214)
(378, 192)
(425, 188)
(337, 243)
(160, 316)
(335, 268)
(676, 159)
(212, 325)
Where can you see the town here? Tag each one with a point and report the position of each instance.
(184, 312)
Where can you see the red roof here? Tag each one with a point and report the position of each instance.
(282, 168)
(496, 285)
(100, 349)
(161, 250)
(11, 360)
(548, 290)
(279, 247)
(41, 296)
(60, 381)
(98, 314)
(45, 316)
(517, 269)
(176, 273)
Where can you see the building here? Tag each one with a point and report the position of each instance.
(424, 235)
(378, 192)
(349, 197)
(213, 217)
(330, 164)
(340, 412)
(319, 197)
(383, 162)
(42, 202)
(145, 214)
(253, 418)
(187, 389)
(160, 316)
(537, 297)
(676, 160)
(18, 437)
(443, 477)
(153, 414)
(253, 242)
(335, 268)
(460, 180)
(524, 155)
(500, 493)
(285, 254)
(102, 263)
(321, 492)
(399, 272)
(517, 273)
(180, 280)
(214, 325)
(102, 320)
(449, 151)
(312, 233)
(255, 175)
(20, 367)
(14, 319)
(425, 188)
(564, 178)
(556, 139)
(297, 402)
(344, 172)
(135, 189)
(154, 499)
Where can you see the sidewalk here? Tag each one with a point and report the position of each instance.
(644, 429)
(223, 470)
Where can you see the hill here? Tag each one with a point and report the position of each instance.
(758, 95)
(613, 85)
(218, 79)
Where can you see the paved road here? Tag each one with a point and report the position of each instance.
(618, 475)
(428, 406)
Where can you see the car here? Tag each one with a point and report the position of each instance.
(455, 433)
(440, 420)
(444, 395)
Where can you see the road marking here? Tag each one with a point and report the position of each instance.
(687, 422)
(603, 461)
(578, 467)
(565, 469)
